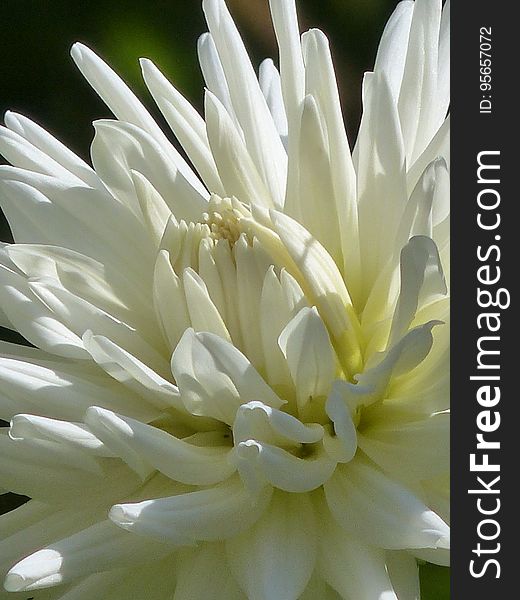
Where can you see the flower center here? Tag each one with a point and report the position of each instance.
(223, 217)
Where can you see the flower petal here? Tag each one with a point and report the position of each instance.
(211, 514)
(275, 558)
(215, 378)
(374, 508)
(306, 346)
(142, 446)
(100, 547)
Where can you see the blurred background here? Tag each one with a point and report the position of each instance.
(38, 78)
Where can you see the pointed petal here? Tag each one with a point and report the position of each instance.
(373, 507)
(275, 558)
(211, 514)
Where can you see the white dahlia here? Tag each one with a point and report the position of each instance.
(239, 385)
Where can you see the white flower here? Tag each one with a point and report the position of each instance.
(240, 383)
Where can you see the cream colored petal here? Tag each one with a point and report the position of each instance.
(275, 558)
(21, 153)
(185, 122)
(353, 568)
(215, 378)
(204, 315)
(50, 146)
(422, 282)
(341, 446)
(132, 372)
(417, 98)
(125, 106)
(203, 574)
(271, 86)
(213, 73)
(326, 286)
(63, 432)
(260, 135)
(118, 148)
(34, 383)
(235, 166)
(100, 547)
(211, 514)
(258, 463)
(391, 54)
(315, 206)
(33, 319)
(321, 83)
(418, 450)
(143, 446)
(276, 310)
(404, 574)
(169, 300)
(46, 210)
(155, 210)
(380, 511)
(257, 421)
(306, 346)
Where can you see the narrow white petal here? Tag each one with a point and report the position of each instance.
(306, 346)
(31, 317)
(130, 371)
(257, 421)
(327, 288)
(125, 105)
(47, 210)
(401, 358)
(169, 300)
(75, 434)
(62, 390)
(438, 147)
(215, 378)
(410, 450)
(422, 281)
(292, 70)
(21, 153)
(271, 86)
(204, 315)
(155, 210)
(118, 148)
(343, 445)
(275, 558)
(391, 54)
(417, 98)
(83, 276)
(59, 474)
(252, 264)
(101, 547)
(185, 122)
(404, 574)
(276, 310)
(142, 445)
(443, 72)
(49, 145)
(315, 205)
(258, 463)
(321, 83)
(213, 73)
(262, 139)
(351, 567)
(211, 514)
(204, 574)
(381, 178)
(235, 166)
(377, 509)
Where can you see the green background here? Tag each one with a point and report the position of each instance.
(38, 78)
